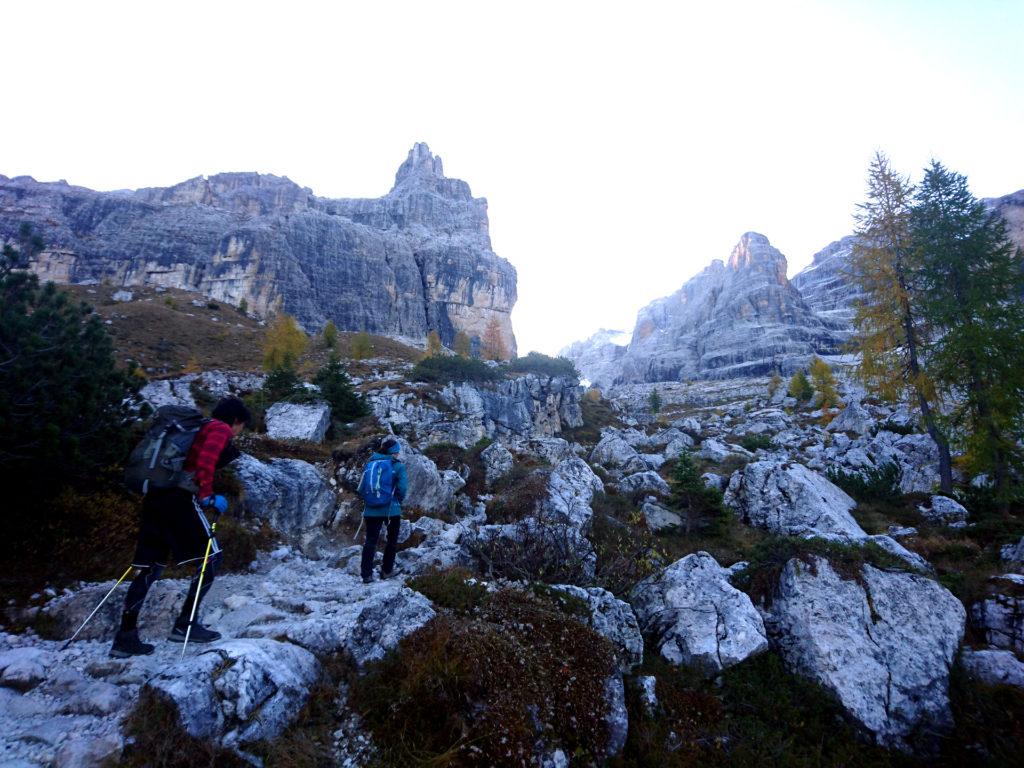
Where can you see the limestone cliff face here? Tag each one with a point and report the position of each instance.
(826, 285)
(597, 358)
(740, 318)
(417, 259)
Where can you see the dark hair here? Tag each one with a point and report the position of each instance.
(231, 410)
(387, 443)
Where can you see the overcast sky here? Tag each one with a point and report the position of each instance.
(621, 146)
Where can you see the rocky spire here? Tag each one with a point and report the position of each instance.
(420, 162)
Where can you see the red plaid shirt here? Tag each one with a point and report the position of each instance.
(212, 439)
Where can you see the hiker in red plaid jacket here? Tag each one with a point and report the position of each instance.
(174, 523)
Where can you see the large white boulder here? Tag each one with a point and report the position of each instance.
(644, 482)
(298, 421)
(883, 644)
(571, 488)
(239, 691)
(853, 418)
(696, 617)
(791, 500)
(292, 495)
(430, 489)
(614, 453)
(1000, 616)
(497, 461)
(944, 510)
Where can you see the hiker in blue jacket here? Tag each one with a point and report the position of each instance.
(383, 487)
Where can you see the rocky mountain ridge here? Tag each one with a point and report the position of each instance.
(415, 260)
(744, 317)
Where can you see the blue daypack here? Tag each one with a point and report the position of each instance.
(378, 484)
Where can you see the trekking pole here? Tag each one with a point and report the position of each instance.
(361, 521)
(123, 577)
(199, 588)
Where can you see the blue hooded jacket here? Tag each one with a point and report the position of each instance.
(401, 488)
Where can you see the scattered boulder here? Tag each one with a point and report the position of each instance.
(290, 494)
(657, 517)
(853, 418)
(644, 482)
(239, 691)
(1000, 616)
(944, 510)
(1013, 552)
(791, 500)
(571, 488)
(497, 461)
(717, 451)
(696, 617)
(613, 619)
(553, 450)
(23, 668)
(614, 453)
(429, 489)
(711, 480)
(993, 667)
(883, 643)
(298, 421)
(122, 296)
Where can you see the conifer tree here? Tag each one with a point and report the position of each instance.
(434, 345)
(800, 387)
(890, 333)
(774, 383)
(336, 388)
(285, 342)
(692, 496)
(824, 383)
(654, 401)
(970, 284)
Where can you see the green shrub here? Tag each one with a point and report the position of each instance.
(800, 387)
(879, 484)
(491, 690)
(282, 382)
(753, 442)
(446, 368)
(544, 365)
(700, 504)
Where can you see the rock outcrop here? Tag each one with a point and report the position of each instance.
(826, 284)
(884, 644)
(695, 617)
(417, 259)
(597, 358)
(740, 318)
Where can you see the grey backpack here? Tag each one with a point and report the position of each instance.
(158, 461)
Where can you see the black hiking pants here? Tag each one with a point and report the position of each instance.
(373, 526)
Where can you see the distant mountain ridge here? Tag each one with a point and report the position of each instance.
(744, 317)
(415, 260)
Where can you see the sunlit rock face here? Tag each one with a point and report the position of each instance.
(737, 318)
(826, 284)
(597, 358)
(415, 260)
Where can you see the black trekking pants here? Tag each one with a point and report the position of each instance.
(373, 526)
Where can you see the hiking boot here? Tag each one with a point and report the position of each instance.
(127, 643)
(199, 633)
(367, 579)
(390, 574)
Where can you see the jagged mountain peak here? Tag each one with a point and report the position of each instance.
(755, 252)
(420, 162)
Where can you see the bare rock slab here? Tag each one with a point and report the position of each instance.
(298, 421)
(696, 617)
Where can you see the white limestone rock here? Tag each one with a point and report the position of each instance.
(884, 646)
(993, 667)
(853, 418)
(615, 454)
(1013, 552)
(944, 510)
(644, 482)
(430, 489)
(658, 518)
(497, 461)
(239, 691)
(612, 619)
(696, 617)
(791, 500)
(571, 488)
(298, 421)
(1000, 616)
(292, 495)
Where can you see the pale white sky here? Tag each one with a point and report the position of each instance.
(621, 146)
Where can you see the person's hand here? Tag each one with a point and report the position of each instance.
(218, 502)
